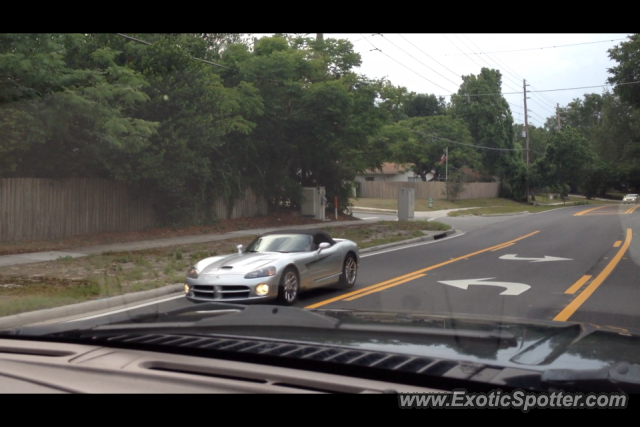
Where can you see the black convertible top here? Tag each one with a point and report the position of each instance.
(318, 236)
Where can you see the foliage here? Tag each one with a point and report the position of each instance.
(627, 71)
(454, 186)
(421, 142)
(488, 117)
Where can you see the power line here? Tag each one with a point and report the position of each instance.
(457, 84)
(505, 83)
(534, 48)
(498, 65)
(465, 45)
(456, 74)
(456, 46)
(463, 143)
(199, 59)
(375, 48)
(507, 69)
(539, 91)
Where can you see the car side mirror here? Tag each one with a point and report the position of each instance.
(323, 245)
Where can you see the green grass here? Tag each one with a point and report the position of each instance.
(421, 205)
(507, 210)
(384, 232)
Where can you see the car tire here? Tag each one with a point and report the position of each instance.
(289, 287)
(349, 273)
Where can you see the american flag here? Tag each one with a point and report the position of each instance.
(442, 159)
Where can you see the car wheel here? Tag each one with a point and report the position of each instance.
(349, 272)
(289, 287)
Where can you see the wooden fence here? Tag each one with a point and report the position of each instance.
(45, 209)
(425, 190)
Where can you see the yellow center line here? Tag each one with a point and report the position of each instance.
(502, 247)
(589, 210)
(630, 210)
(584, 295)
(387, 286)
(378, 285)
(581, 281)
(617, 243)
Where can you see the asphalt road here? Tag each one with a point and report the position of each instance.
(496, 266)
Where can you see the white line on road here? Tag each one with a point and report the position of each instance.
(372, 217)
(127, 309)
(412, 246)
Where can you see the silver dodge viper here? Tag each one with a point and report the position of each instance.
(275, 266)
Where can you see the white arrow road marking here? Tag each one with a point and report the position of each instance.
(511, 288)
(546, 258)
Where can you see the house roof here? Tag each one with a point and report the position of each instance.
(388, 169)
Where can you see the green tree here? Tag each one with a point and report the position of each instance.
(568, 159)
(626, 75)
(454, 186)
(320, 119)
(488, 117)
(65, 106)
(421, 142)
(424, 105)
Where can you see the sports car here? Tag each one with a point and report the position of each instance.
(275, 266)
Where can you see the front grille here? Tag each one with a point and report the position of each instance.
(223, 292)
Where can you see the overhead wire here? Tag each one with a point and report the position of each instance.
(506, 67)
(498, 66)
(395, 60)
(446, 78)
(534, 48)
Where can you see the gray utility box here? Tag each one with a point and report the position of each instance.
(405, 203)
(313, 205)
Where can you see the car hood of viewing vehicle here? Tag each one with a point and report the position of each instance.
(539, 345)
(239, 263)
(515, 343)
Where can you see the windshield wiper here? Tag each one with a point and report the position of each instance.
(621, 376)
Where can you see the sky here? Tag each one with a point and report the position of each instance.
(434, 64)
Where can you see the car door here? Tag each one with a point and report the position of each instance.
(327, 266)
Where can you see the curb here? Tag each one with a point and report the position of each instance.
(374, 210)
(85, 307)
(405, 242)
(508, 214)
(119, 301)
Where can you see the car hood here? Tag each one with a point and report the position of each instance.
(238, 263)
(491, 341)
(515, 343)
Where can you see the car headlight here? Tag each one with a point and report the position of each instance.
(263, 272)
(186, 288)
(262, 289)
(193, 273)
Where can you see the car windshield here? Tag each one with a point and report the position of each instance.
(281, 243)
(482, 177)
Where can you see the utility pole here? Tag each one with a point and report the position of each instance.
(558, 115)
(319, 37)
(446, 165)
(526, 129)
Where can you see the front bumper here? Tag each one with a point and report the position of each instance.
(230, 288)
